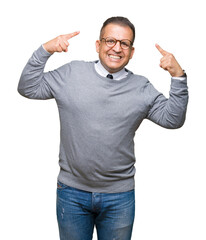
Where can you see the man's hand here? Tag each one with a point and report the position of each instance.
(169, 63)
(59, 44)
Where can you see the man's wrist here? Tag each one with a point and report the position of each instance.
(43, 45)
(178, 73)
(182, 77)
(184, 74)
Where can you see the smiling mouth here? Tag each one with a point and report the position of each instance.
(115, 56)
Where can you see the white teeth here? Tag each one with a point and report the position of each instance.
(115, 57)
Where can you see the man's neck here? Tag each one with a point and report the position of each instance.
(103, 72)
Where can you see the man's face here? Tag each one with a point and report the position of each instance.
(115, 58)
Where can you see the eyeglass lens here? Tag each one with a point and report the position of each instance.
(110, 42)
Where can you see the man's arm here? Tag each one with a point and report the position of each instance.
(36, 84)
(169, 113)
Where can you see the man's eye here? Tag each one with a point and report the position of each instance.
(126, 44)
(110, 41)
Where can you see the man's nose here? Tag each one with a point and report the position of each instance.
(117, 47)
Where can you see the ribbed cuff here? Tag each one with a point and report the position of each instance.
(41, 54)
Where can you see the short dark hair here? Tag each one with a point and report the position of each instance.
(122, 21)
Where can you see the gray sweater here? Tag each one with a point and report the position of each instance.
(98, 119)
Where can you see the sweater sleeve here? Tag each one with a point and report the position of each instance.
(168, 113)
(35, 83)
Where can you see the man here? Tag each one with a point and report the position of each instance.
(101, 105)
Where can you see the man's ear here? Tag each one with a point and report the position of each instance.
(132, 52)
(97, 46)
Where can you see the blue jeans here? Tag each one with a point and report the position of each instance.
(79, 211)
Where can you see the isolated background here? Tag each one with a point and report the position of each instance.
(171, 164)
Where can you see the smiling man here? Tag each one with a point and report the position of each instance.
(117, 50)
(101, 105)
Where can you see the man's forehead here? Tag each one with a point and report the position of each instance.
(117, 31)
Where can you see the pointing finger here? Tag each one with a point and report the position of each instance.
(71, 35)
(163, 52)
(63, 45)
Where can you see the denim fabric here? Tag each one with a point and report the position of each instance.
(79, 211)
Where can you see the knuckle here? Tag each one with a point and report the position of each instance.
(170, 55)
(56, 45)
(59, 38)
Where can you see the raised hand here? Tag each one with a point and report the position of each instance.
(169, 63)
(60, 43)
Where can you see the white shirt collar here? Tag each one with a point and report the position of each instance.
(103, 72)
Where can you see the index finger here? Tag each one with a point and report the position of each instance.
(71, 35)
(163, 52)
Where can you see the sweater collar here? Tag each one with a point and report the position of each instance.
(103, 72)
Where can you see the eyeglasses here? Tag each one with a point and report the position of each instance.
(111, 42)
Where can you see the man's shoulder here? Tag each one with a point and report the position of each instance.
(82, 63)
(140, 79)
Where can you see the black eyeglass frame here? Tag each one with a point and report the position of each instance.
(115, 42)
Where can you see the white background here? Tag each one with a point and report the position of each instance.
(171, 167)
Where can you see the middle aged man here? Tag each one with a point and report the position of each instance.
(101, 105)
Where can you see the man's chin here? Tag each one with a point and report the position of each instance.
(113, 68)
